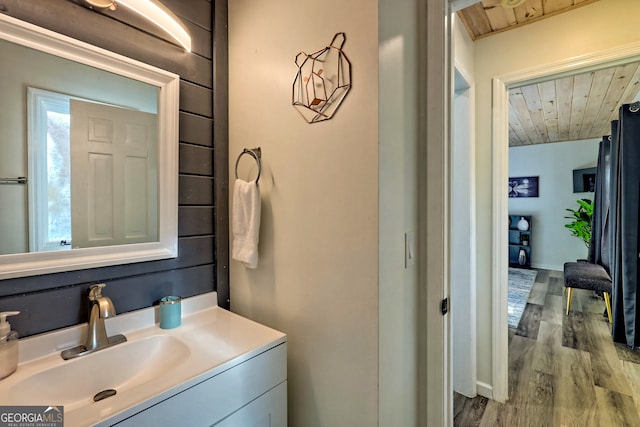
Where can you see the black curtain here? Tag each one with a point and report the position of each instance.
(624, 222)
(599, 244)
(617, 306)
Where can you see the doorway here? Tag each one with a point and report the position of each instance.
(582, 35)
(500, 153)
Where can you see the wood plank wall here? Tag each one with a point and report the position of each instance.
(53, 301)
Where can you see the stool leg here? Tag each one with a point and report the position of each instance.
(569, 295)
(607, 302)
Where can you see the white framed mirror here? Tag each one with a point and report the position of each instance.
(88, 155)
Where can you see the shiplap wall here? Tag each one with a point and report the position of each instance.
(49, 302)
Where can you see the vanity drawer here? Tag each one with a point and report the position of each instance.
(269, 410)
(210, 401)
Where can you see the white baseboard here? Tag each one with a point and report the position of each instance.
(484, 389)
(469, 395)
(548, 267)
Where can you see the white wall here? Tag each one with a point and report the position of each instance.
(463, 51)
(551, 243)
(397, 188)
(338, 197)
(595, 27)
(318, 271)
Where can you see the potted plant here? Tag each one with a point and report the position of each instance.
(524, 239)
(580, 225)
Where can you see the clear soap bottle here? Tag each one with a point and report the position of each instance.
(8, 346)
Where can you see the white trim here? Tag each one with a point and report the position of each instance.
(39, 102)
(38, 38)
(500, 261)
(29, 264)
(468, 385)
(500, 154)
(464, 313)
(548, 267)
(615, 56)
(473, 231)
(435, 396)
(484, 389)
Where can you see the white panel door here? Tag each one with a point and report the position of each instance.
(113, 175)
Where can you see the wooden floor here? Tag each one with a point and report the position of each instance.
(563, 371)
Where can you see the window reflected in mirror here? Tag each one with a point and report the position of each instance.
(50, 217)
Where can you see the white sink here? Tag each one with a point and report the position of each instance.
(122, 367)
(152, 366)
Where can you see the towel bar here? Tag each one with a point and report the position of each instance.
(18, 180)
(256, 153)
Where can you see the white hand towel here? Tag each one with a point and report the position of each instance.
(246, 222)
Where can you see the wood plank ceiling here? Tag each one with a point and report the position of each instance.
(565, 109)
(571, 108)
(489, 17)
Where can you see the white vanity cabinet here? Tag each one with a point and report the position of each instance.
(269, 410)
(217, 368)
(251, 393)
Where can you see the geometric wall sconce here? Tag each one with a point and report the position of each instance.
(322, 81)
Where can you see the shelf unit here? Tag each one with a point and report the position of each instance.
(519, 240)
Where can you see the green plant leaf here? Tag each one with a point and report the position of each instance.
(580, 225)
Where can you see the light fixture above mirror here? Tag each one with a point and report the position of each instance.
(154, 12)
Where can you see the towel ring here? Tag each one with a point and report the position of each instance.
(256, 153)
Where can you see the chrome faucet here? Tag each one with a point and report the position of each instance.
(101, 308)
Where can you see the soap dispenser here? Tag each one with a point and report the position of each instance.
(8, 346)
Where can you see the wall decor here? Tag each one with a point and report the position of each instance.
(322, 81)
(523, 186)
(584, 180)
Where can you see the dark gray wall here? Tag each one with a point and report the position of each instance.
(53, 301)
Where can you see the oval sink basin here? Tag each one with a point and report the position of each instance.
(120, 367)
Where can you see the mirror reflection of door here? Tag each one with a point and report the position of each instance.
(49, 169)
(113, 170)
(102, 156)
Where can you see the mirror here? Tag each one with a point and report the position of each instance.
(88, 155)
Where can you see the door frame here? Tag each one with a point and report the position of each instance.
(500, 207)
(463, 275)
(434, 394)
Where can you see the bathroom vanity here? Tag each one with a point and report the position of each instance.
(217, 368)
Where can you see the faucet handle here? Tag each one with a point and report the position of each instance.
(95, 291)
